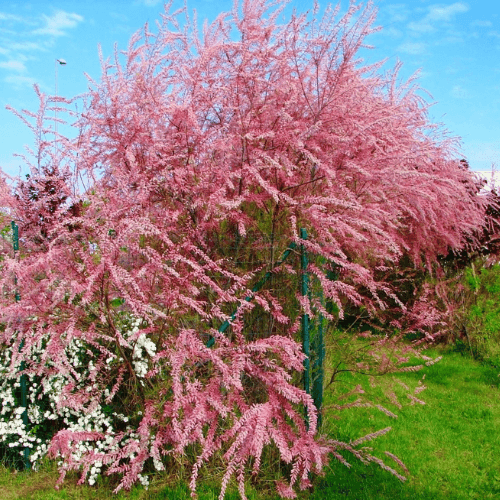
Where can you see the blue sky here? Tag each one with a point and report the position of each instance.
(455, 45)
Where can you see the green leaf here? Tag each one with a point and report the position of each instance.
(117, 302)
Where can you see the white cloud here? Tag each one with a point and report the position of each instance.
(10, 17)
(14, 66)
(481, 24)
(437, 13)
(150, 3)
(445, 13)
(422, 26)
(392, 32)
(397, 12)
(458, 92)
(453, 38)
(58, 23)
(26, 46)
(119, 16)
(20, 81)
(412, 48)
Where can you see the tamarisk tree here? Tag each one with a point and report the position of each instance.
(202, 155)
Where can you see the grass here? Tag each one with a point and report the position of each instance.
(450, 446)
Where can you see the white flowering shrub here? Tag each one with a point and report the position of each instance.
(46, 416)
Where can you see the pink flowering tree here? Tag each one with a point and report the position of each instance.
(198, 158)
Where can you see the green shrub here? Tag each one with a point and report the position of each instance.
(478, 318)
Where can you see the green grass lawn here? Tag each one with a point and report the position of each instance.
(451, 447)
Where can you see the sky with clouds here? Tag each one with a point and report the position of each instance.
(454, 44)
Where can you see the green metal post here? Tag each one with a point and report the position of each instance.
(318, 368)
(15, 246)
(319, 351)
(304, 290)
(24, 398)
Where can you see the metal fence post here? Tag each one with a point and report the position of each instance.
(24, 398)
(304, 290)
(318, 368)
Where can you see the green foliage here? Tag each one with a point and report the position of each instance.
(481, 311)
